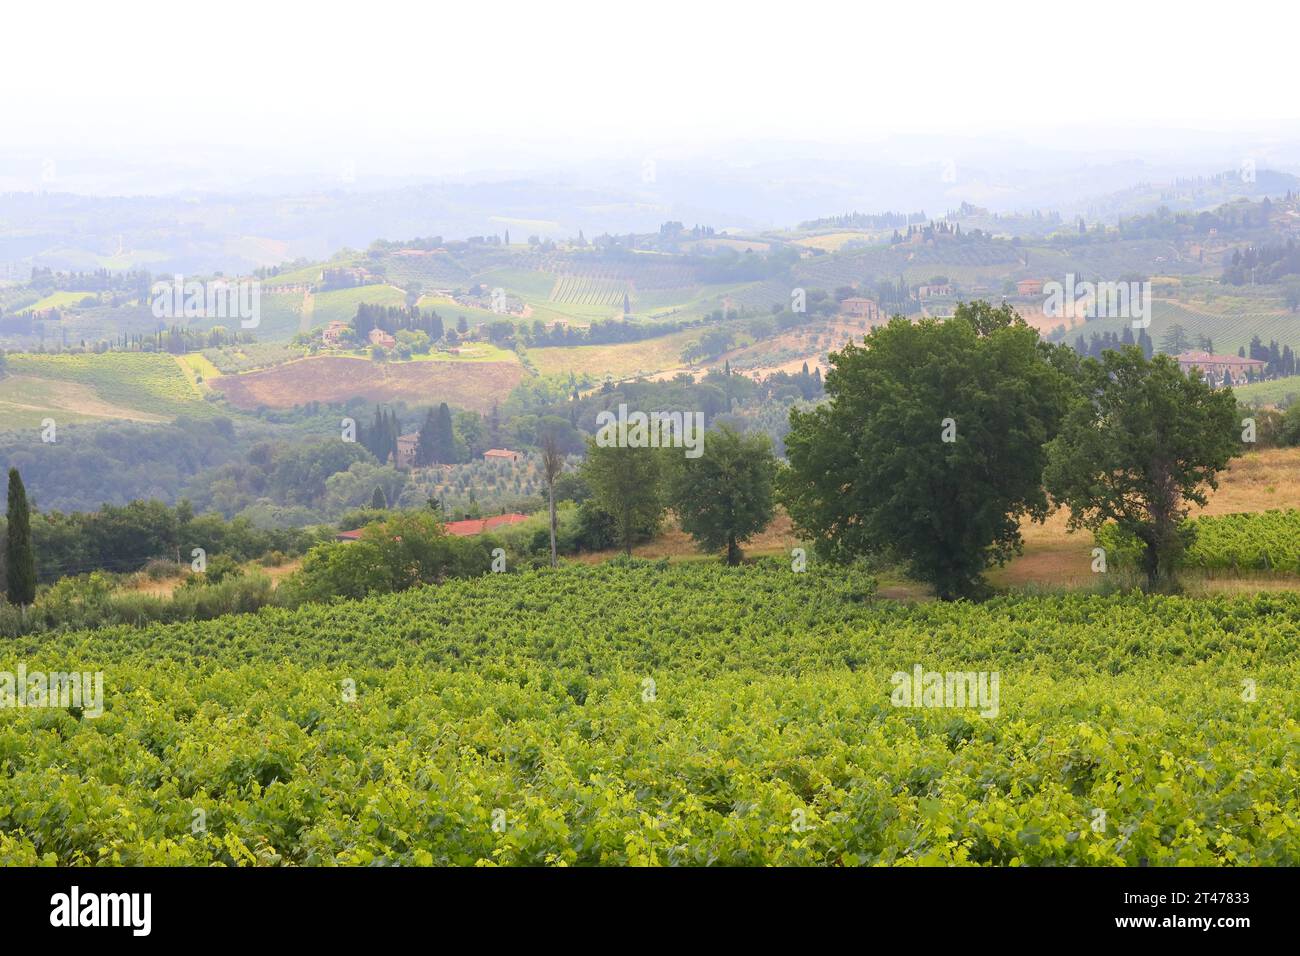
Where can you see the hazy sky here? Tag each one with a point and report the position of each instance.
(461, 85)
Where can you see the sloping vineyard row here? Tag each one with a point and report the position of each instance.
(667, 715)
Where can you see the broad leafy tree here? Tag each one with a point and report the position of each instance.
(625, 483)
(726, 496)
(931, 447)
(1143, 441)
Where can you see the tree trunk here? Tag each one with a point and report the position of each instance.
(627, 530)
(1151, 564)
(554, 559)
(733, 551)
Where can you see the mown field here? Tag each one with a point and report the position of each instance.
(689, 715)
(621, 360)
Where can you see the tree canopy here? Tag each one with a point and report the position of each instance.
(931, 446)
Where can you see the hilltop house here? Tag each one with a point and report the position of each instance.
(406, 445)
(1220, 368)
(501, 454)
(1029, 287)
(930, 291)
(333, 333)
(861, 308)
(382, 339)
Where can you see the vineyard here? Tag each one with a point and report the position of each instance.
(966, 261)
(578, 290)
(644, 272)
(655, 714)
(1268, 540)
(431, 271)
(1228, 331)
(1259, 541)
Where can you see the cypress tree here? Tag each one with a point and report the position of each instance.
(20, 562)
(426, 447)
(446, 436)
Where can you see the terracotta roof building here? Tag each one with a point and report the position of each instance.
(862, 308)
(333, 333)
(1233, 368)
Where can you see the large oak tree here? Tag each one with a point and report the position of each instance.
(931, 446)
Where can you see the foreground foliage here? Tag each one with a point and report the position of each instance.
(645, 714)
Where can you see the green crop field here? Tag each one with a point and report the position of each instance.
(59, 300)
(341, 304)
(450, 310)
(1281, 391)
(132, 382)
(1254, 541)
(281, 315)
(657, 714)
(530, 285)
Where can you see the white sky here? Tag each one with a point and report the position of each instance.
(479, 77)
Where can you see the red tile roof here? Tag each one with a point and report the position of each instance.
(1205, 358)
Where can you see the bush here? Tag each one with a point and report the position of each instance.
(160, 569)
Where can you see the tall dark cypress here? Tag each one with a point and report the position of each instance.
(20, 561)
(446, 436)
(426, 447)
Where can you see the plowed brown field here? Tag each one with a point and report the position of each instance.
(470, 385)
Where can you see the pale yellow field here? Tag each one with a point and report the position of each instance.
(832, 241)
(621, 361)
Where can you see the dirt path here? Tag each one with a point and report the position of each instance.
(308, 310)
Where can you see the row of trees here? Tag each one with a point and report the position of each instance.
(938, 440)
(940, 437)
(42, 547)
(722, 498)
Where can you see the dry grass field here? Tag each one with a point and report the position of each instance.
(1257, 481)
